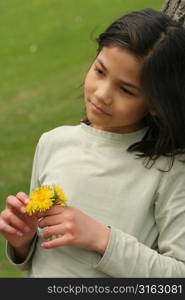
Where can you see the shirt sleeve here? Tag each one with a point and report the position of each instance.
(25, 265)
(125, 256)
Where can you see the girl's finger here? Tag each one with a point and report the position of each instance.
(60, 241)
(53, 230)
(23, 197)
(15, 203)
(54, 210)
(49, 221)
(7, 229)
(14, 221)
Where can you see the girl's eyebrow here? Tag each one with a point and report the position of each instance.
(121, 81)
(101, 63)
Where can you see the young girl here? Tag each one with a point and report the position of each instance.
(122, 168)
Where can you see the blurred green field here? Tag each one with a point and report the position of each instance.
(46, 48)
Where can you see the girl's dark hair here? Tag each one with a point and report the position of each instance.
(159, 42)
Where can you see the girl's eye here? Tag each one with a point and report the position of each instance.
(124, 90)
(99, 71)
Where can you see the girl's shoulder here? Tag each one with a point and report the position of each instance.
(172, 170)
(178, 166)
(61, 133)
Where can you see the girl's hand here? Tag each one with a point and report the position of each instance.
(15, 225)
(75, 228)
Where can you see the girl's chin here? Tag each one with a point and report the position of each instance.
(97, 123)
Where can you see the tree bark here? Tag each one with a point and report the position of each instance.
(175, 9)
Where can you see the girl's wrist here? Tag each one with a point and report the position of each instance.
(21, 252)
(103, 239)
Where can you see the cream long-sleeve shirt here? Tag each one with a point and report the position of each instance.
(144, 207)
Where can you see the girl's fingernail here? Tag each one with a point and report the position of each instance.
(19, 233)
(26, 201)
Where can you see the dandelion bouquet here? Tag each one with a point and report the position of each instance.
(42, 198)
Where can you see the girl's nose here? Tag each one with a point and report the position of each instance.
(103, 94)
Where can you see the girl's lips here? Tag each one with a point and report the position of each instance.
(99, 110)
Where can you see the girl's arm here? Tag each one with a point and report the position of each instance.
(17, 227)
(21, 254)
(125, 256)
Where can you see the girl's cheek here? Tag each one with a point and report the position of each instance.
(88, 83)
(89, 88)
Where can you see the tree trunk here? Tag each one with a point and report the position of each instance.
(175, 9)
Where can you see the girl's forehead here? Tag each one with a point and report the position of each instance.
(118, 55)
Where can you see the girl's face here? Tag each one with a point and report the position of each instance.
(113, 96)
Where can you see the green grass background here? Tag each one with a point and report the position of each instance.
(46, 48)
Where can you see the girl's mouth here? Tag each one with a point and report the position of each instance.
(98, 109)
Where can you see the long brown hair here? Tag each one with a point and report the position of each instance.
(160, 43)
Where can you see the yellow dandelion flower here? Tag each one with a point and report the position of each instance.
(59, 195)
(40, 200)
